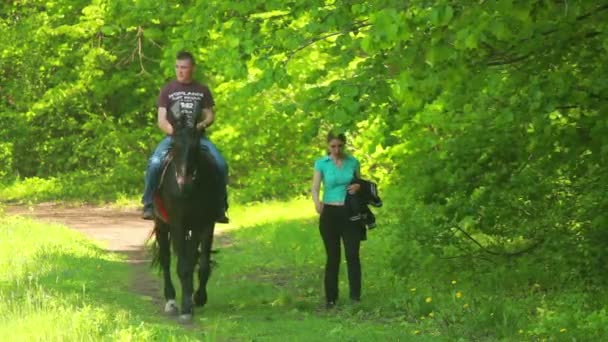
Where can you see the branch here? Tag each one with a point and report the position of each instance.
(477, 242)
(140, 33)
(567, 107)
(509, 61)
(99, 39)
(598, 97)
(522, 167)
(599, 9)
(497, 62)
(469, 256)
(316, 39)
(513, 60)
(155, 43)
(508, 254)
(581, 17)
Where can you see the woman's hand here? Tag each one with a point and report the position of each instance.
(353, 188)
(319, 207)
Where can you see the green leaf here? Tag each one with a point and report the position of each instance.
(109, 30)
(447, 15)
(471, 41)
(499, 29)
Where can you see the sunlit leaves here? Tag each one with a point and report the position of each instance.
(439, 98)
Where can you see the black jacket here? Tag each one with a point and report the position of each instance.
(357, 205)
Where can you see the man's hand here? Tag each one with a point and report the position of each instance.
(201, 126)
(208, 118)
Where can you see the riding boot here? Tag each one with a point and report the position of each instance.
(148, 212)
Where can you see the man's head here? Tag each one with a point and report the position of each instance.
(184, 67)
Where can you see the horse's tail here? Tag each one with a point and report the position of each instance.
(153, 248)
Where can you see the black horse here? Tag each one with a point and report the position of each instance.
(186, 207)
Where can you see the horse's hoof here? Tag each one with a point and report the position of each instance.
(185, 318)
(198, 299)
(171, 307)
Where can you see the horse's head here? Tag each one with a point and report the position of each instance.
(186, 153)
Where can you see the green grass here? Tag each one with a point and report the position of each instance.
(268, 287)
(262, 290)
(55, 285)
(269, 281)
(92, 187)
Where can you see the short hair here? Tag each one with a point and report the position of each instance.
(185, 55)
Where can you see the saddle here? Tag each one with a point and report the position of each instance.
(159, 208)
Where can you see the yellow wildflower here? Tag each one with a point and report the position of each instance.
(562, 330)
(428, 299)
(458, 294)
(431, 314)
(453, 282)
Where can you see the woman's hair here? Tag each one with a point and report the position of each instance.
(340, 136)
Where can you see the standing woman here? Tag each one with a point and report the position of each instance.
(336, 171)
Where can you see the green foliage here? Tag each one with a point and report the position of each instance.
(7, 159)
(485, 122)
(500, 155)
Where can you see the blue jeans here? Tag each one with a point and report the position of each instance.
(155, 164)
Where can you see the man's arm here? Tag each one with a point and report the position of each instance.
(208, 118)
(163, 123)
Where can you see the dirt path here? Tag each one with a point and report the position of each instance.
(119, 230)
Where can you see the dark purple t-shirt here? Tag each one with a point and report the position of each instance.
(185, 100)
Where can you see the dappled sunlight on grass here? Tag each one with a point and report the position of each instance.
(22, 257)
(270, 277)
(69, 289)
(270, 212)
(268, 285)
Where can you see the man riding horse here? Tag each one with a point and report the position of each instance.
(179, 100)
(192, 195)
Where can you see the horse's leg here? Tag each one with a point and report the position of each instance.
(162, 237)
(186, 252)
(204, 271)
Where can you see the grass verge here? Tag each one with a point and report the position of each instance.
(55, 285)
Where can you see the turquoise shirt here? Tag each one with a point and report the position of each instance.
(336, 179)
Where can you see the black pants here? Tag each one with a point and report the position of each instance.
(333, 225)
